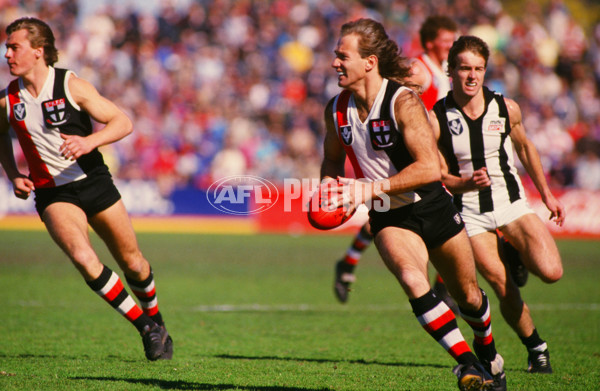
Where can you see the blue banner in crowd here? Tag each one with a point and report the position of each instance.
(144, 198)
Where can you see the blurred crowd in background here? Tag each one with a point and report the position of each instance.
(238, 87)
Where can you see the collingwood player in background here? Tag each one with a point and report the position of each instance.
(476, 130)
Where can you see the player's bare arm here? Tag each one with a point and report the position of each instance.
(530, 158)
(418, 137)
(22, 185)
(420, 142)
(333, 165)
(452, 182)
(6, 151)
(102, 110)
(333, 153)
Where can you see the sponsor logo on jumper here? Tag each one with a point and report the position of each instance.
(496, 125)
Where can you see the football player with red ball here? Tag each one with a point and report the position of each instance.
(382, 127)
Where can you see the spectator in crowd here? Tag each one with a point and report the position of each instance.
(167, 68)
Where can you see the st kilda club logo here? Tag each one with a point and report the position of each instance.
(55, 113)
(382, 134)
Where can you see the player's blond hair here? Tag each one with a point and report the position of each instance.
(39, 35)
(373, 40)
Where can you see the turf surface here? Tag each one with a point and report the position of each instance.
(258, 313)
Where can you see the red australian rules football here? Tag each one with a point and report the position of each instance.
(321, 213)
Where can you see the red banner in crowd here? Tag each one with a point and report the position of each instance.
(583, 216)
(583, 213)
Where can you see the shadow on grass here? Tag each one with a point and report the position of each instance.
(327, 360)
(242, 357)
(63, 357)
(184, 385)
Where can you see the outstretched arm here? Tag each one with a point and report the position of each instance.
(529, 157)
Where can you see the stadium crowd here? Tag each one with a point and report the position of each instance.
(224, 87)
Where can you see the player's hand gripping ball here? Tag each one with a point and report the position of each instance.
(328, 206)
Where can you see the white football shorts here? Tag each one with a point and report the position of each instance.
(477, 223)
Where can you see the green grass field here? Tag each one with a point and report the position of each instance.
(258, 313)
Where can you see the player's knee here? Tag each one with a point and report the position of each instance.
(546, 263)
(552, 275)
(134, 264)
(469, 298)
(412, 281)
(83, 258)
(86, 262)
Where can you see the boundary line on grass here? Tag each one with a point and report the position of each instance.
(295, 308)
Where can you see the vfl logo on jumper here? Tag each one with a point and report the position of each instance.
(497, 125)
(242, 195)
(382, 135)
(19, 110)
(346, 133)
(54, 112)
(455, 127)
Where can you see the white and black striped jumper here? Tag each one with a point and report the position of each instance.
(470, 144)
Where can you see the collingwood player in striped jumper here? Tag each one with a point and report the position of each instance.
(476, 130)
(383, 128)
(50, 110)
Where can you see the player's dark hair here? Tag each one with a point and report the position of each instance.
(373, 40)
(468, 43)
(39, 35)
(432, 25)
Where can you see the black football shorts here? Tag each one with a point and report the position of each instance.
(92, 194)
(434, 219)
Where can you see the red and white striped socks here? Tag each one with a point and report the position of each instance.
(481, 323)
(439, 321)
(359, 244)
(145, 291)
(109, 286)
